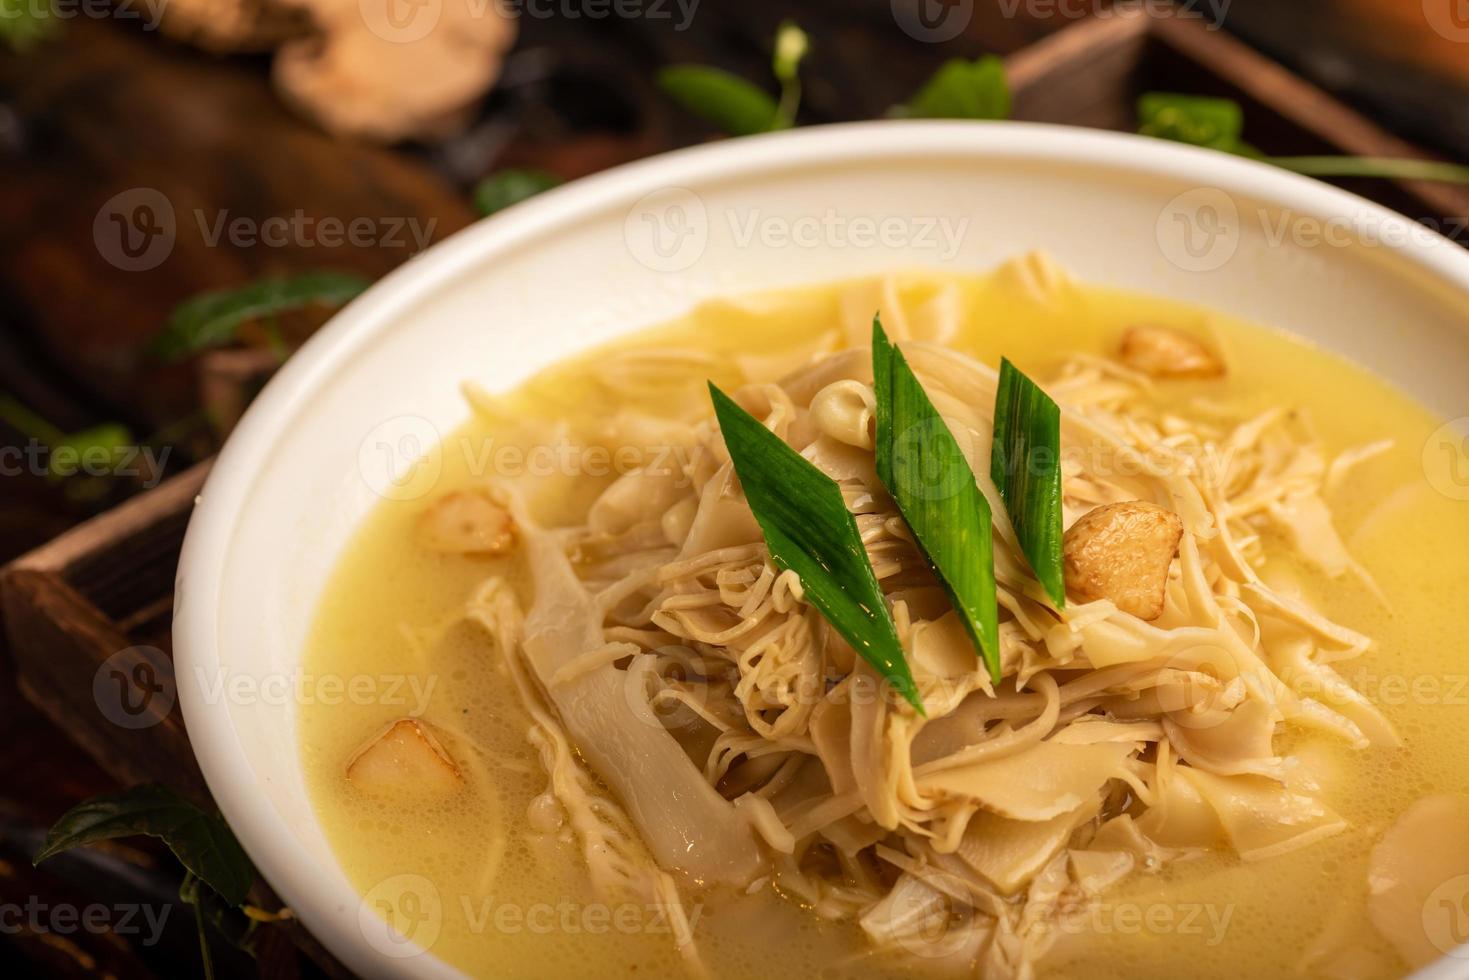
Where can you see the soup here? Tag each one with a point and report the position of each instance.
(621, 737)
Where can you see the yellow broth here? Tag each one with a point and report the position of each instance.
(495, 898)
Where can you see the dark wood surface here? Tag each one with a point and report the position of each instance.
(109, 108)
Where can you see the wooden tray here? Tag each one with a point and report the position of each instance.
(97, 601)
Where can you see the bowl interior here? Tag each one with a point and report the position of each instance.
(625, 250)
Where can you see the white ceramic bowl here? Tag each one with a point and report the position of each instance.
(641, 243)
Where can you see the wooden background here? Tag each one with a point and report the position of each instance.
(109, 107)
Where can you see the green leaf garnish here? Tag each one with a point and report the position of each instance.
(26, 23)
(1218, 124)
(724, 99)
(1025, 464)
(213, 319)
(921, 464)
(809, 530)
(963, 90)
(107, 445)
(511, 186)
(1194, 119)
(201, 841)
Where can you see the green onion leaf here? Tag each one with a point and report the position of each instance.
(809, 531)
(510, 186)
(963, 90)
(1025, 464)
(213, 319)
(726, 100)
(921, 464)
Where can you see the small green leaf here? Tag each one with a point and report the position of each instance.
(1218, 124)
(726, 100)
(963, 90)
(511, 186)
(105, 446)
(1194, 119)
(202, 841)
(809, 531)
(921, 464)
(1025, 464)
(213, 319)
(26, 23)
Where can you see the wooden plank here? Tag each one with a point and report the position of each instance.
(119, 141)
(115, 700)
(1080, 76)
(1307, 107)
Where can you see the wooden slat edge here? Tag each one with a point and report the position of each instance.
(60, 645)
(123, 521)
(1304, 104)
(1082, 41)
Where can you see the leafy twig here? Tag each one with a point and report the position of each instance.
(735, 105)
(216, 869)
(214, 319)
(1218, 124)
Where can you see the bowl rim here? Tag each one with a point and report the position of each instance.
(330, 912)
